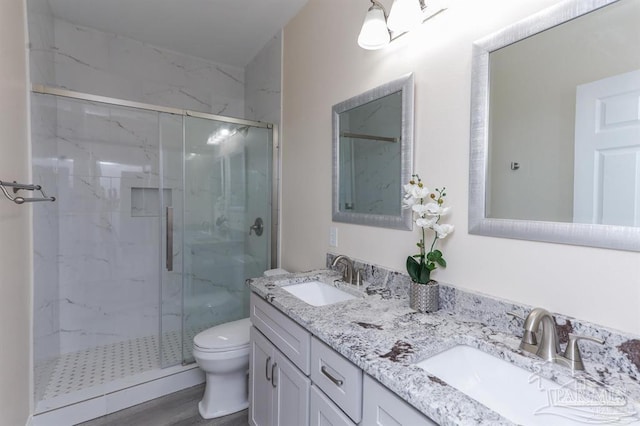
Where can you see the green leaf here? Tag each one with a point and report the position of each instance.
(425, 274)
(442, 262)
(434, 255)
(413, 269)
(418, 271)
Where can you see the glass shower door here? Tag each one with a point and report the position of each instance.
(171, 209)
(227, 220)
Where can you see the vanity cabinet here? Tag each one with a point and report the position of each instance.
(324, 412)
(381, 407)
(297, 380)
(278, 390)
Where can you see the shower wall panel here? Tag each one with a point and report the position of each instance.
(91, 61)
(41, 42)
(263, 83)
(107, 256)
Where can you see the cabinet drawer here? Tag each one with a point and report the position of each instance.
(338, 378)
(290, 338)
(324, 412)
(381, 407)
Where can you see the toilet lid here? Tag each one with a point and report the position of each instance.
(224, 336)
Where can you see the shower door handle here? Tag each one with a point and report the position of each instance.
(169, 227)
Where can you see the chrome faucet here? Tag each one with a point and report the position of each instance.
(349, 274)
(545, 343)
(548, 347)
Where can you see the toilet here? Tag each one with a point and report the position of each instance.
(222, 352)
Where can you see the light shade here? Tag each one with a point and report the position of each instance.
(405, 15)
(374, 33)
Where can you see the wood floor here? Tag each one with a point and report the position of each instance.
(177, 409)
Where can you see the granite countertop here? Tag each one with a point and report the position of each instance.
(384, 337)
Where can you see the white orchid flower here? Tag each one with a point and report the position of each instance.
(408, 202)
(420, 209)
(434, 209)
(426, 222)
(408, 187)
(442, 230)
(419, 192)
(427, 208)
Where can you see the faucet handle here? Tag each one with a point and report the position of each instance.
(358, 282)
(572, 353)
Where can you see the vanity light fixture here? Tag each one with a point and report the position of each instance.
(378, 30)
(404, 16)
(374, 33)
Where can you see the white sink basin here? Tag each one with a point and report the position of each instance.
(524, 397)
(317, 293)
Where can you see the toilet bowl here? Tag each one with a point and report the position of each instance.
(222, 352)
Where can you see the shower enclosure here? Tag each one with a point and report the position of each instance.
(160, 217)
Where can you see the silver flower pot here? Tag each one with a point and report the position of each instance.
(424, 297)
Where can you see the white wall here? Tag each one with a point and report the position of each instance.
(15, 229)
(323, 65)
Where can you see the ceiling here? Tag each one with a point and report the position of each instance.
(226, 31)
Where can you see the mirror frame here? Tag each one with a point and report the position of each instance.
(403, 84)
(593, 235)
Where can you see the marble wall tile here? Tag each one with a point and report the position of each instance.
(91, 61)
(375, 174)
(41, 39)
(108, 261)
(263, 83)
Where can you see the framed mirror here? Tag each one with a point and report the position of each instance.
(373, 155)
(555, 127)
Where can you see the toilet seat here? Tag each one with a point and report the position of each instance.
(225, 337)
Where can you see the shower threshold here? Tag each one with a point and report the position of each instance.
(98, 378)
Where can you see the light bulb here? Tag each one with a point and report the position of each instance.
(405, 15)
(374, 33)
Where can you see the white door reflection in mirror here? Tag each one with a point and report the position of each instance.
(607, 151)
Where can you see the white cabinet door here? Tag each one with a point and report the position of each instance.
(381, 407)
(278, 391)
(324, 412)
(291, 393)
(260, 393)
(290, 338)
